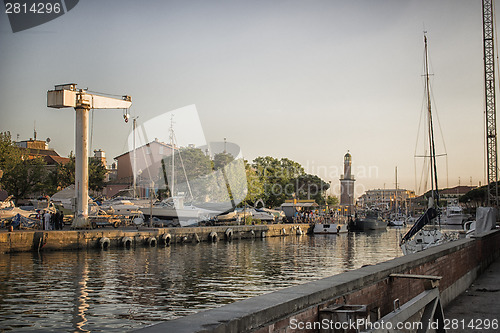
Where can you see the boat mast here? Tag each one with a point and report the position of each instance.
(173, 152)
(396, 192)
(434, 183)
(134, 173)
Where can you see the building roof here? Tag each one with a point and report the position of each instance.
(147, 145)
(50, 160)
(50, 156)
(457, 190)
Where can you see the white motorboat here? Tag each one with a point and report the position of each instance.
(453, 214)
(330, 228)
(121, 207)
(173, 208)
(397, 220)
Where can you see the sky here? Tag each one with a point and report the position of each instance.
(305, 80)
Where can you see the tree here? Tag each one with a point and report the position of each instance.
(283, 179)
(255, 188)
(97, 174)
(332, 200)
(21, 175)
(27, 177)
(65, 174)
(10, 154)
(221, 160)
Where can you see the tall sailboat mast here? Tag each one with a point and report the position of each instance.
(432, 149)
(172, 142)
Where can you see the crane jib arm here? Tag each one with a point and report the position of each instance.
(63, 98)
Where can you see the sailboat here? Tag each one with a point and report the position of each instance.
(174, 207)
(398, 219)
(418, 238)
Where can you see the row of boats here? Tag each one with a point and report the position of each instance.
(374, 219)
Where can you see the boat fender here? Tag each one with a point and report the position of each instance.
(151, 241)
(263, 234)
(166, 238)
(104, 243)
(229, 234)
(299, 231)
(126, 242)
(196, 238)
(338, 229)
(213, 237)
(184, 239)
(283, 231)
(252, 233)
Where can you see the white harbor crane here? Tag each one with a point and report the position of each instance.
(66, 95)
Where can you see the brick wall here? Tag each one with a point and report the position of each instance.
(458, 263)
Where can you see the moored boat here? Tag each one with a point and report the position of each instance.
(330, 228)
(453, 214)
(369, 220)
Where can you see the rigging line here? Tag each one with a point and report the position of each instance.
(104, 94)
(183, 168)
(91, 128)
(437, 155)
(436, 113)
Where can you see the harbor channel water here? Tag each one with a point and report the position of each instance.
(124, 289)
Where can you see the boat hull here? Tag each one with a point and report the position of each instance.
(367, 224)
(452, 220)
(329, 228)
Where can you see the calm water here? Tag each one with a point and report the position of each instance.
(117, 290)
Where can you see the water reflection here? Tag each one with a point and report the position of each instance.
(81, 305)
(122, 289)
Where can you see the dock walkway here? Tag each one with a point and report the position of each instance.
(476, 308)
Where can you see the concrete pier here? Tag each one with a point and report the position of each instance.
(457, 264)
(21, 241)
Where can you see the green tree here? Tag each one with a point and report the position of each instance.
(97, 174)
(221, 160)
(191, 165)
(21, 175)
(65, 174)
(28, 176)
(10, 154)
(255, 187)
(332, 200)
(283, 179)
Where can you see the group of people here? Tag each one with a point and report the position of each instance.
(53, 221)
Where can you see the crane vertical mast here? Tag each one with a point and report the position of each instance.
(489, 87)
(66, 95)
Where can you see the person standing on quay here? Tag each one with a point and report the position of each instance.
(56, 221)
(46, 218)
(61, 220)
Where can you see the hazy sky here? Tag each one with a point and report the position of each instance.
(306, 80)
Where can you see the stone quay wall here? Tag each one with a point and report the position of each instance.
(22, 241)
(458, 264)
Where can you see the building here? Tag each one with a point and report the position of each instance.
(347, 186)
(454, 192)
(385, 198)
(147, 167)
(38, 148)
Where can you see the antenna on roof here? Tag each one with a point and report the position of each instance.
(34, 129)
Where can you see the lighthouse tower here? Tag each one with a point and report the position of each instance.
(347, 186)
